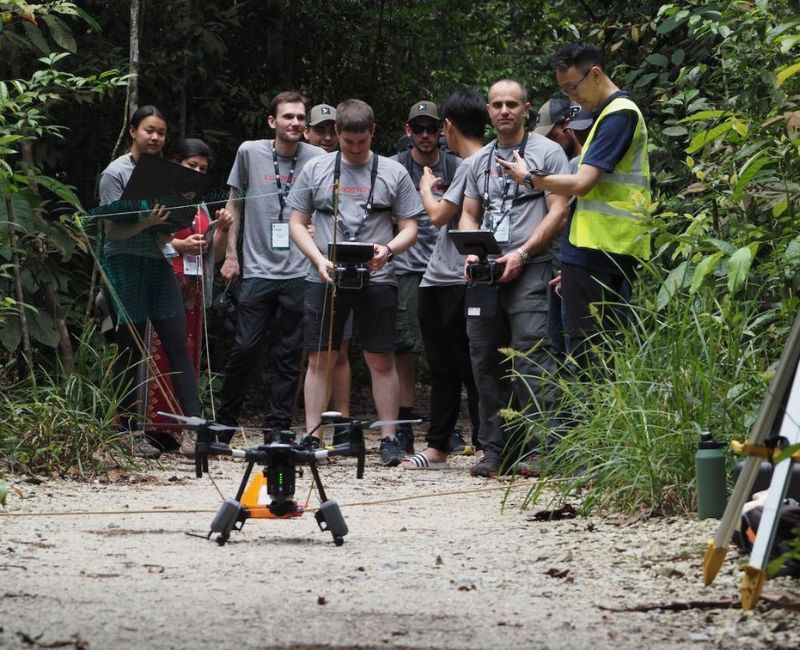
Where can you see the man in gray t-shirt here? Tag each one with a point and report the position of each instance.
(524, 222)
(422, 129)
(373, 193)
(273, 268)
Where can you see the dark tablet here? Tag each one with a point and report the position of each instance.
(350, 252)
(475, 242)
(155, 180)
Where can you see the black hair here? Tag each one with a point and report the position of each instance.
(189, 147)
(466, 109)
(142, 112)
(579, 55)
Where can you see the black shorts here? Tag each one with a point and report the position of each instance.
(374, 308)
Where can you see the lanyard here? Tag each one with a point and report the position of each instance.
(373, 175)
(506, 185)
(282, 192)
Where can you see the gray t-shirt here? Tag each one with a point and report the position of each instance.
(253, 173)
(446, 266)
(512, 215)
(416, 258)
(112, 183)
(394, 197)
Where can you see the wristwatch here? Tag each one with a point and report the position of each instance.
(523, 255)
(390, 255)
(528, 180)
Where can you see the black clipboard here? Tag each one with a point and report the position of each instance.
(180, 189)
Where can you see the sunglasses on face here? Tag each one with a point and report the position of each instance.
(417, 129)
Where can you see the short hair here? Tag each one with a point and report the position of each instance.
(192, 147)
(354, 116)
(466, 109)
(509, 80)
(142, 112)
(286, 97)
(579, 55)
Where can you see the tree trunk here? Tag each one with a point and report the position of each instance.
(132, 93)
(60, 323)
(27, 351)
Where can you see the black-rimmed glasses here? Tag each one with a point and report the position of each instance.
(573, 87)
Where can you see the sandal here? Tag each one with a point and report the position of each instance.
(420, 461)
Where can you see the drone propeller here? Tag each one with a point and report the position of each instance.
(379, 423)
(194, 422)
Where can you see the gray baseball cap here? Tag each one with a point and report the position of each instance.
(553, 111)
(582, 118)
(423, 108)
(321, 113)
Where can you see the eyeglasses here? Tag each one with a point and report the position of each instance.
(573, 87)
(417, 129)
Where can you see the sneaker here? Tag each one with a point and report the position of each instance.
(405, 438)
(188, 444)
(310, 443)
(141, 447)
(456, 444)
(487, 466)
(391, 453)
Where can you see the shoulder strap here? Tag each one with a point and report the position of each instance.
(404, 158)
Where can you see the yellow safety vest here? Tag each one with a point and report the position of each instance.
(596, 223)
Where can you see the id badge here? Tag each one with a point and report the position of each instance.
(501, 228)
(280, 236)
(192, 265)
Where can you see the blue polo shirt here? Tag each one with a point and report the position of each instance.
(611, 140)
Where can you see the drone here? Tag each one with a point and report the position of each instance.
(270, 492)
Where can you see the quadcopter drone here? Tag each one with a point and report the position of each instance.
(270, 493)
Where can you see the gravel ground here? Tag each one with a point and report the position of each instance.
(432, 561)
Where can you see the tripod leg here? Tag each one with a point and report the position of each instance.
(787, 366)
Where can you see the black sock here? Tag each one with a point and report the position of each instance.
(406, 413)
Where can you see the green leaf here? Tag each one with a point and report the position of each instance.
(35, 36)
(790, 450)
(675, 131)
(59, 189)
(658, 60)
(677, 57)
(705, 137)
(791, 258)
(10, 333)
(704, 267)
(60, 33)
(739, 268)
(786, 73)
(42, 328)
(779, 208)
(706, 115)
(747, 174)
(675, 280)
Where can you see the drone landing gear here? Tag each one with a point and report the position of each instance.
(253, 501)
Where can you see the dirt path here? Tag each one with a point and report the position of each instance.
(447, 571)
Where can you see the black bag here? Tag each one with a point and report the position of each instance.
(787, 537)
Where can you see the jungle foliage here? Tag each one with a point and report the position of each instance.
(717, 81)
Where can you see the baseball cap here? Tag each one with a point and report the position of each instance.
(423, 108)
(553, 111)
(582, 118)
(321, 113)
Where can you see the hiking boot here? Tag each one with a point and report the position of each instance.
(391, 453)
(310, 443)
(141, 447)
(188, 444)
(456, 444)
(487, 466)
(405, 438)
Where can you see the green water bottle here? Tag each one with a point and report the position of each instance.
(709, 467)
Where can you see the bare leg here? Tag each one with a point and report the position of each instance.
(314, 388)
(407, 372)
(340, 394)
(385, 388)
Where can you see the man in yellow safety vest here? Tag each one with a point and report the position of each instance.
(607, 238)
